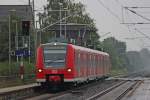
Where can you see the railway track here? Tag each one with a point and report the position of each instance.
(88, 91)
(117, 92)
(76, 93)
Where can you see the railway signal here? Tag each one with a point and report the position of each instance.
(25, 28)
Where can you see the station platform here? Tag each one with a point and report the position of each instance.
(17, 88)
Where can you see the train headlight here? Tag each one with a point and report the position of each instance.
(69, 70)
(39, 70)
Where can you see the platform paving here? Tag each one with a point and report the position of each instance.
(141, 93)
(16, 88)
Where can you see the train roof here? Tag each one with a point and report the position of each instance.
(89, 50)
(78, 47)
(53, 43)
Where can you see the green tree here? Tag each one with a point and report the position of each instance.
(79, 15)
(117, 51)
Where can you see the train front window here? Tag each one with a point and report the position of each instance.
(54, 57)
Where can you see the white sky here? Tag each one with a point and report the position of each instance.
(107, 22)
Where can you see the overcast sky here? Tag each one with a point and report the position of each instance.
(108, 18)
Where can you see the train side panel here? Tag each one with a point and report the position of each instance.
(40, 72)
(81, 64)
(70, 60)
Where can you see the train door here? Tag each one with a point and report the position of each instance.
(104, 64)
(96, 58)
(91, 68)
(78, 65)
(107, 65)
(84, 63)
(81, 64)
(101, 65)
(98, 64)
(88, 64)
(94, 66)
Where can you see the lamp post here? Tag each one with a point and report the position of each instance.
(60, 15)
(9, 24)
(16, 38)
(9, 44)
(65, 22)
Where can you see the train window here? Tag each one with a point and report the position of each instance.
(54, 57)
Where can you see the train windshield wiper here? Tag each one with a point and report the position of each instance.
(54, 61)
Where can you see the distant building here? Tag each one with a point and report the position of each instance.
(22, 11)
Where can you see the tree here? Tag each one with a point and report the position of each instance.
(138, 60)
(117, 51)
(79, 15)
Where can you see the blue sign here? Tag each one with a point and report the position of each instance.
(23, 52)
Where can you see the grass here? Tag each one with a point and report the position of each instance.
(14, 70)
(15, 82)
(118, 71)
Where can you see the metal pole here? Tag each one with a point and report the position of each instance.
(60, 18)
(22, 68)
(65, 25)
(33, 13)
(29, 50)
(9, 44)
(35, 38)
(40, 33)
(17, 39)
(23, 40)
(29, 2)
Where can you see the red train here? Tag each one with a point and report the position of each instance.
(58, 63)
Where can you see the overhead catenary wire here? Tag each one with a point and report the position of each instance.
(108, 9)
(112, 13)
(148, 37)
(100, 2)
(136, 29)
(137, 14)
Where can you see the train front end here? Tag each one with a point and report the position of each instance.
(54, 63)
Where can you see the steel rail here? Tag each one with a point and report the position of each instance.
(106, 91)
(131, 89)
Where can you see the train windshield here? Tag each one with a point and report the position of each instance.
(54, 56)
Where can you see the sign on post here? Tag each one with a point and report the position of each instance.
(23, 52)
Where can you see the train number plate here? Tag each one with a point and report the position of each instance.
(54, 71)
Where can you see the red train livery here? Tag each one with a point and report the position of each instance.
(67, 63)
